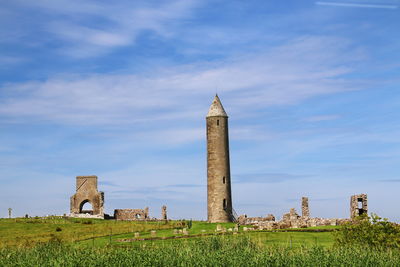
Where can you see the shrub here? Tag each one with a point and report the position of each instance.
(368, 231)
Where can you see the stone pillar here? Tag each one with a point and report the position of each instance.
(305, 211)
(219, 198)
(164, 213)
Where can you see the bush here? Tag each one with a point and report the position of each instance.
(368, 231)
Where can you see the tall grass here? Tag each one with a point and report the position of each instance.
(213, 251)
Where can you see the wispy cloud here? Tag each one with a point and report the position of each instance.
(390, 181)
(251, 82)
(95, 27)
(267, 177)
(7, 60)
(352, 4)
(322, 118)
(149, 193)
(107, 183)
(186, 185)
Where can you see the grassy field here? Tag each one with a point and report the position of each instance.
(265, 238)
(91, 232)
(60, 241)
(29, 232)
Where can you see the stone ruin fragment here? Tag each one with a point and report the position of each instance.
(358, 205)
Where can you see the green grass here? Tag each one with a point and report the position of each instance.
(234, 250)
(293, 239)
(36, 242)
(30, 232)
(280, 238)
(197, 227)
(94, 232)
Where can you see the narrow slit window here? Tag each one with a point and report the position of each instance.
(223, 179)
(224, 203)
(217, 122)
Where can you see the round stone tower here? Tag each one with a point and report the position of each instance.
(219, 197)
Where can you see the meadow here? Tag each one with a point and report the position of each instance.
(29, 232)
(208, 251)
(84, 242)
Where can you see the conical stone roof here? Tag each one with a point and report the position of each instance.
(216, 109)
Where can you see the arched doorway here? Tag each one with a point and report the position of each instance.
(86, 207)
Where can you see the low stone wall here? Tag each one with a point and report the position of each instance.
(85, 215)
(299, 223)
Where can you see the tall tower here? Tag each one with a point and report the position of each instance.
(219, 197)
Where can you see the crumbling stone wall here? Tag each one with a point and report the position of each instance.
(243, 219)
(86, 191)
(291, 216)
(355, 210)
(131, 214)
(290, 220)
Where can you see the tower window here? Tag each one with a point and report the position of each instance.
(223, 179)
(224, 203)
(218, 122)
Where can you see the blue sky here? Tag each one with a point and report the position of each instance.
(121, 90)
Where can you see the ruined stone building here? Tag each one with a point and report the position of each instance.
(131, 214)
(358, 205)
(219, 197)
(86, 192)
(290, 220)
